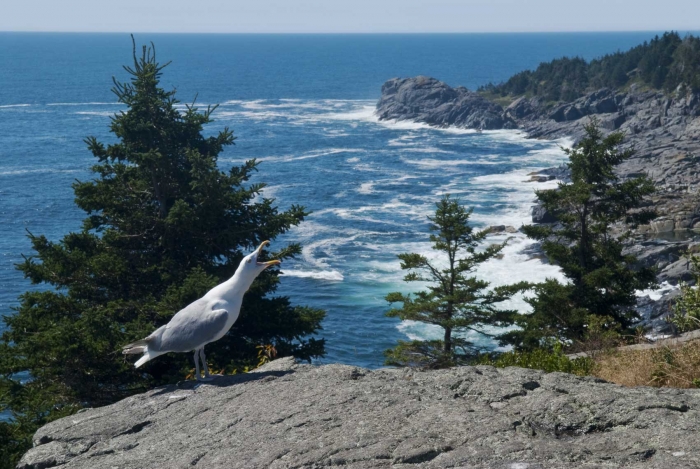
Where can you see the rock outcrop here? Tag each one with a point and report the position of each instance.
(286, 415)
(430, 101)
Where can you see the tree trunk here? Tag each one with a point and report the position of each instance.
(448, 340)
(583, 248)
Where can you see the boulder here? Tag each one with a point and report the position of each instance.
(495, 229)
(287, 415)
(678, 271)
(541, 215)
(654, 313)
(522, 108)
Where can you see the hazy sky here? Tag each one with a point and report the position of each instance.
(310, 16)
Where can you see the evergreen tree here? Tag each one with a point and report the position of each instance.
(601, 279)
(164, 224)
(454, 300)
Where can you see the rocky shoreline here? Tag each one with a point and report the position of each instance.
(663, 130)
(287, 415)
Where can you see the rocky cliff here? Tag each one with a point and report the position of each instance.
(286, 415)
(663, 129)
(430, 101)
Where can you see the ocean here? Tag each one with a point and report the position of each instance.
(303, 105)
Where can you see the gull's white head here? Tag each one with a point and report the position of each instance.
(250, 267)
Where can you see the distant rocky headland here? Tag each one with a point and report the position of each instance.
(286, 415)
(663, 129)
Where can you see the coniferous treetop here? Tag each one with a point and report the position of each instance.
(663, 63)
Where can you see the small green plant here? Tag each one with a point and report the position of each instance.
(602, 334)
(686, 311)
(545, 359)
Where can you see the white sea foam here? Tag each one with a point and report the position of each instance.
(433, 163)
(515, 196)
(402, 141)
(431, 150)
(656, 293)
(313, 154)
(360, 113)
(6, 106)
(95, 103)
(254, 115)
(413, 125)
(415, 330)
(304, 156)
(327, 275)
(15, 172)
(366, 188)
(285, 104)
(96, 113)
(357, 214)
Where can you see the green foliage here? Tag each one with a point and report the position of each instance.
(603, 334)
(545, 359)
(686, 310)
(453, 300)
(662, 63)
(601, 279)
(164, 224)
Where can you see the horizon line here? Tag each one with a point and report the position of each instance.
(348, 33)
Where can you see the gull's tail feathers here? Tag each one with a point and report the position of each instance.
(147, 356)
(140, 346)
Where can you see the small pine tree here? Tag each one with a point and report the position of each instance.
(164, 224)
(454, 300)
(601, 279)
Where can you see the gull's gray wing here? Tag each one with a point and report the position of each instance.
(191, 328)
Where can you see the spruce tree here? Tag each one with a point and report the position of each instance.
(595, 212)
(455, 300)
(164, 224)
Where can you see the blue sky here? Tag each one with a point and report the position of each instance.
(348, 16)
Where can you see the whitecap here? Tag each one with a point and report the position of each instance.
(14, 172)
(6, 106)
(327, 275)
(361, 113)
(433, 163)
(366, 188)
(312, 154)
(428, 150)
(94, 103)
(96, 113)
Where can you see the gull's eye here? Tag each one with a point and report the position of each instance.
(248, 261)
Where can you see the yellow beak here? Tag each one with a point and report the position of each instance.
(268, 263)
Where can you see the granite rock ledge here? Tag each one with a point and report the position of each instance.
(287, 415)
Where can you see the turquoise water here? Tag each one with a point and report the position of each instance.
(303, 105)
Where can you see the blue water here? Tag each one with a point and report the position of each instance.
(303, 105)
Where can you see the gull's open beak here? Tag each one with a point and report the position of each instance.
(268, 263)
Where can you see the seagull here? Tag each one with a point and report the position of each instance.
(203, 321)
